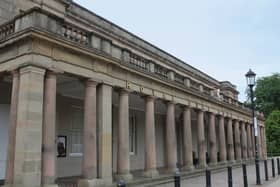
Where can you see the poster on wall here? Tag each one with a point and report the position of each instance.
(61, 146)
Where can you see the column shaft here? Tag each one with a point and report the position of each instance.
(212, 139)
(49, 118)
(264, 143)
(237, 141)
(105, 132)
(28, 151)
(230, 141)
(89, 163)
(249, 141)
(123, 164)
(253, 141)
(260, 143)
(12, 130)
(150, 139)
(201, 139)
(244, 141)
(171, 146)
(187, 139)
(222, 143)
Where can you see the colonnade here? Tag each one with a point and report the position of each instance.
(34, 94)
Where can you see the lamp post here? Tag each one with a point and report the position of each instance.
(250, 76)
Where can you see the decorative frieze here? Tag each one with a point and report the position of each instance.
(6, 30)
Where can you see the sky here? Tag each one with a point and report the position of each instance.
(223, 38)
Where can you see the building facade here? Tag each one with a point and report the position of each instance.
(82, 98)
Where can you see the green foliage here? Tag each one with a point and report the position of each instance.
(267, 94)
(272, 127)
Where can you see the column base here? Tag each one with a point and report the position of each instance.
(212, 164)
(7, 185)
(94, 182)
(223, 162)
(201, 166)
(170, 170)
(188, 168)
(43, 185)
(152, 173)
(49, 185)
(231, 161)
(125, 177)
(238, 161)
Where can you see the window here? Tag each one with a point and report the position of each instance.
(76, 132)
(132, 135)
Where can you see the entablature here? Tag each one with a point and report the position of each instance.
(44, 21)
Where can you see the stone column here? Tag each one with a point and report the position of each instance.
(212, 139)
(171, 144)
(222, 143)
(253, 141)
(150, 139)
(244, 141)
(104, 102)
(201, 139)
(12, 129)
(49, 121)
(123, 163)
(28, 150)
(237, 141)
(89, 162)
(187, 139)
(264, 143)
(260, 143)
(230, 141)
(249, 141)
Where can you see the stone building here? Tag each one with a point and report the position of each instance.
(85, 100)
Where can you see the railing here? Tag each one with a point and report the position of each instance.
(179, 78)
(207, 91)
(6, 30)
(75, 34)
(161, 71)
(194, 85)
(138, 61)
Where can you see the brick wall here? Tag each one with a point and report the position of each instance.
(7, 10)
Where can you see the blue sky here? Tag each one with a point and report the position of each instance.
(221, 38)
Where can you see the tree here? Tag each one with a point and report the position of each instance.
(272, 127)
(267, 94)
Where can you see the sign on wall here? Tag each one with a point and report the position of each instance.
(61, 146)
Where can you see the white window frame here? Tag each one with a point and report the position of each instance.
(132, 135)
(75, 130)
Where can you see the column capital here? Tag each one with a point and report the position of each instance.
(149, 97)
(236, 120)
(124, 90)
(186, 107)
(33, 69)
(213, 111)
(91, 83)
(15, 72)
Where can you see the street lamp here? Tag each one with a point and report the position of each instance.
(251, 76)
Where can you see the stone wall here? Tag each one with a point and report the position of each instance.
(7, 10)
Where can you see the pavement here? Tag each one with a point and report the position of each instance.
(220, 179)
